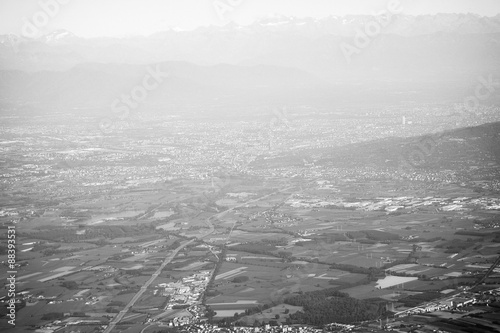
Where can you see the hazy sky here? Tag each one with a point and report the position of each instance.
(91, 18)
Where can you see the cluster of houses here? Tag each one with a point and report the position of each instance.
(209, 328)
(448, 304)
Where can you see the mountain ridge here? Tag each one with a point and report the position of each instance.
(470, 23)
(470, 44)
(96, 85)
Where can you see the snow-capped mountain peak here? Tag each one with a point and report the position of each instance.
(58, 36)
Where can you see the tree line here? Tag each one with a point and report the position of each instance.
(329, 305)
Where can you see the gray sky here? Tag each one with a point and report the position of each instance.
(92, 18)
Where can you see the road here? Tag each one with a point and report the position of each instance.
(488, 272)
(209, 220)
(448, 298)
(134, 299)
(167, 260)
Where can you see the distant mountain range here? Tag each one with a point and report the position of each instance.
(97, 86)
(415, 47)
(226, 89)
(276, 60)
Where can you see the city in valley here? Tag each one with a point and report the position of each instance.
(242, 196)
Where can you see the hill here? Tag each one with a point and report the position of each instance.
(465, 151)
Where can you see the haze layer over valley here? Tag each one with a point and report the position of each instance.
(289, 175)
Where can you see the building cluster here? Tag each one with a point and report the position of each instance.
(210, 328)
(186, 291)
(452, 303)
(397, 203)
(28, 297)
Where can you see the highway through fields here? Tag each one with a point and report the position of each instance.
(167, 260)
(134, 299)
(490, 270)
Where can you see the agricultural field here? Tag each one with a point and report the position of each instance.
(278, 313)
(265, 250)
